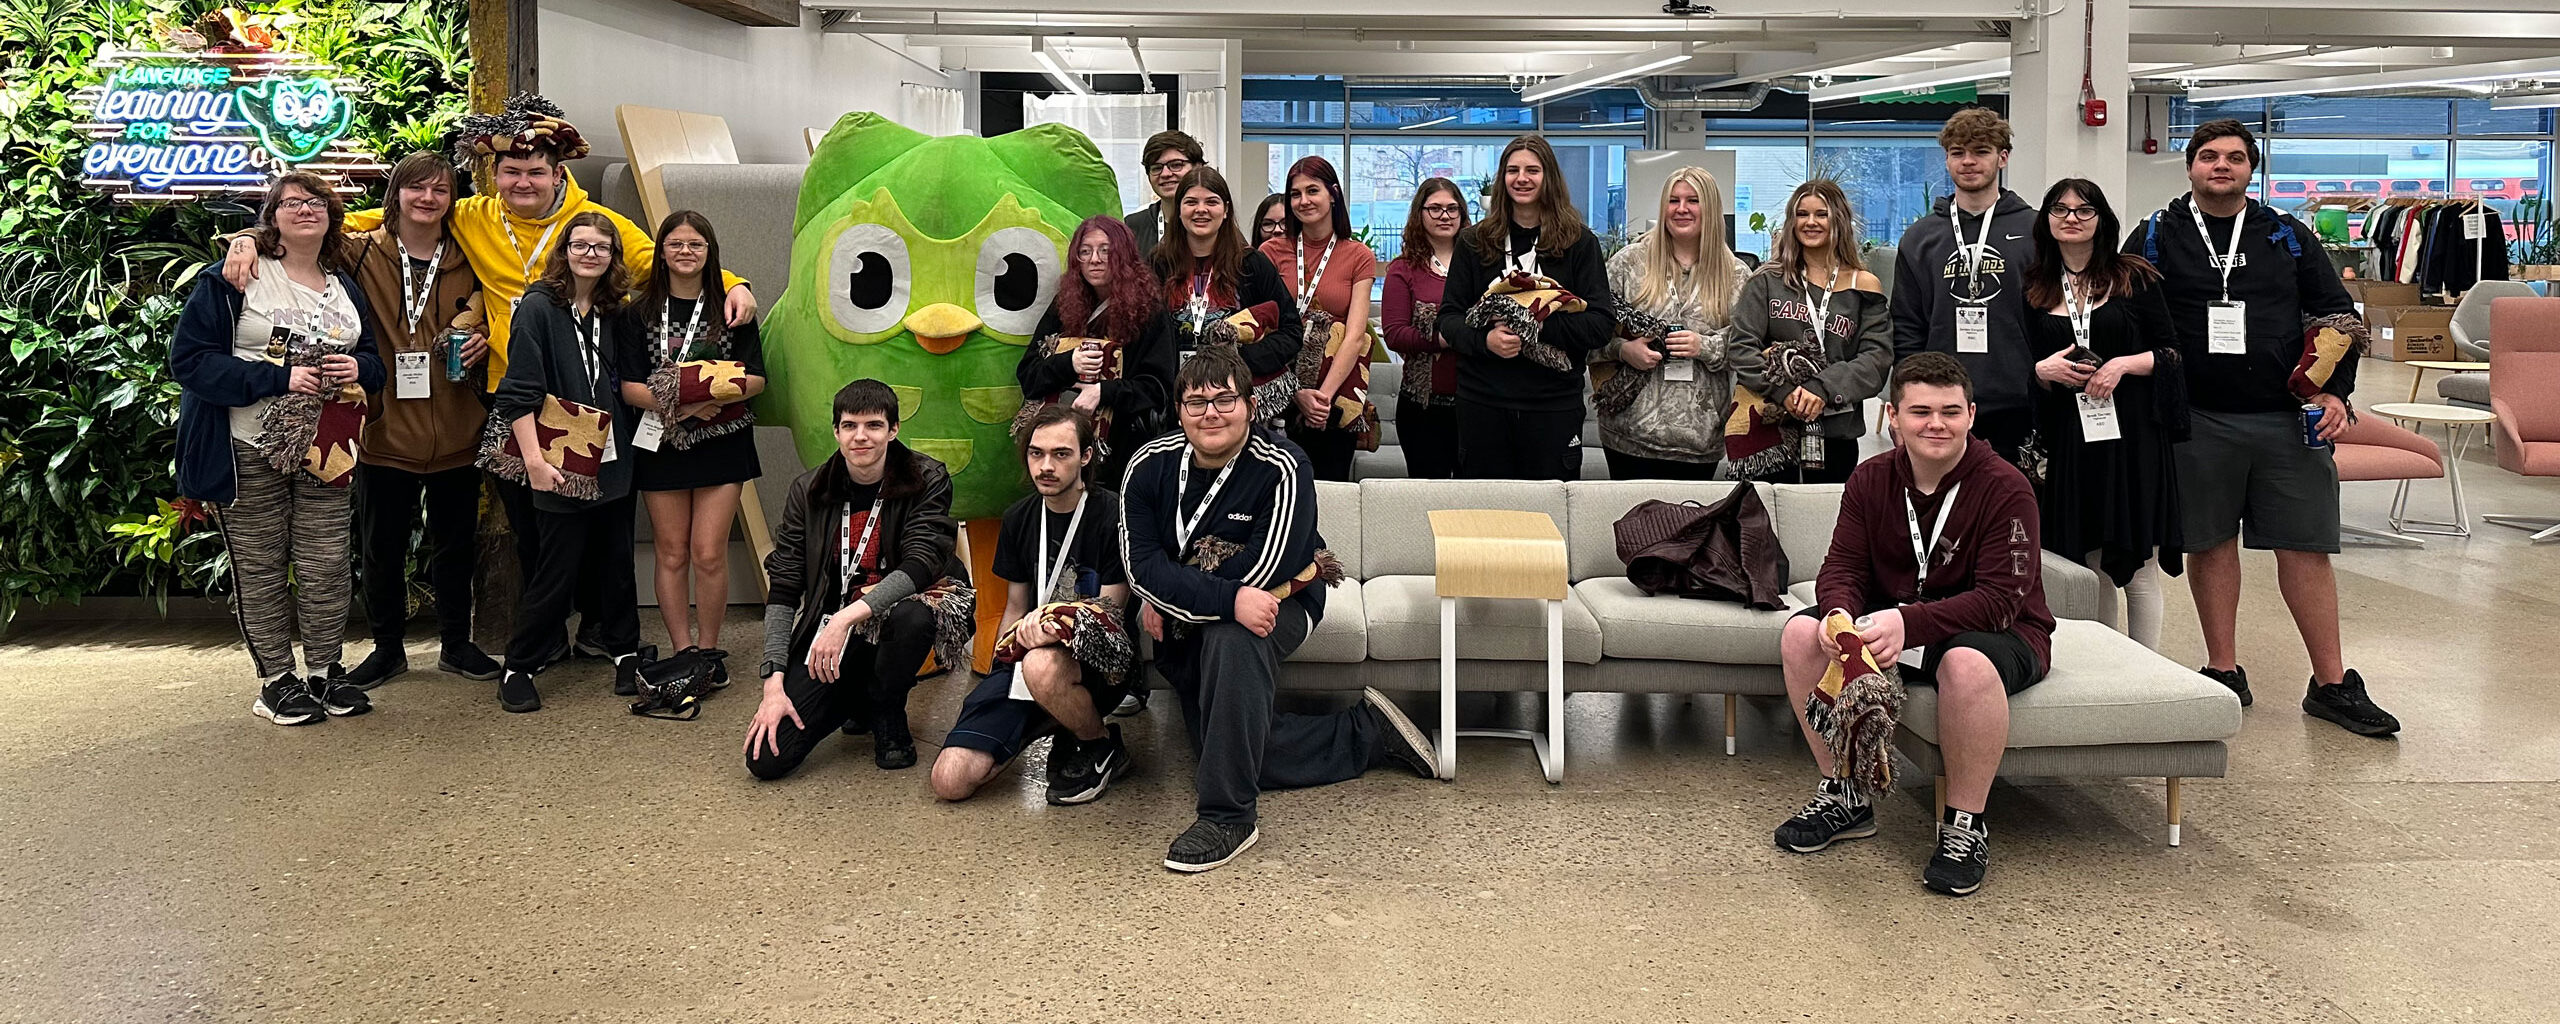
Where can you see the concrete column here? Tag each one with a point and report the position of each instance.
(2047, 56)
(1225, 141)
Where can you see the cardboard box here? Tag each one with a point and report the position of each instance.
(2386, 293)
(2378, 318)
(2416, 332)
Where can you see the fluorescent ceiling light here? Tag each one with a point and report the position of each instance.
(1426, 124)
(1612, 124)
(2183, 70)
(1952, 74)
(2414, 78)
(1049, 61)
(1598, 75)
(2525, 101)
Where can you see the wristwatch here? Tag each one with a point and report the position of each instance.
(769, 670)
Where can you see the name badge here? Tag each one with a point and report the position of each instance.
(609, 453)
(2226, 328)
(1973, 329)
(2475, 226)
(409, 379)
(1682, 370)
(651, 433)
(2098, 418)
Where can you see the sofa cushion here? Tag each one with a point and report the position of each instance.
(1404, 624)
(1666, 628)
(2103, 689)
(1338, 519)
(1595, 506)
(1803, 515)
(1342, 636)
(2465, 387)
(1398, 514)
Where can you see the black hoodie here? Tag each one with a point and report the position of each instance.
(2281, 273)
(1929, 283)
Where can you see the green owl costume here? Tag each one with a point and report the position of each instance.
(926, 263)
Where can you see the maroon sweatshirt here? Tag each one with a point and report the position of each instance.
(1988, 571)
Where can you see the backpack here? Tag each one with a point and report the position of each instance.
(2283, 235)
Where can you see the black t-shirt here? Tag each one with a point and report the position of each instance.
(1093, 555)
(1522, 240)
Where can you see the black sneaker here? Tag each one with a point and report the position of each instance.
(2237, 680)
(1207, 845)
(1085, 769)
(626, 674)
(467, 660)
(1134, 703)
(1827, 819)
(2345, 703)
(516, 693)
(287, 700)
(341, 698)
(891, 747)
(379, 667)
(1404, 742)
(1964, 855)
(587, 646)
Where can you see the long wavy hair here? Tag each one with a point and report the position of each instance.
(661, 284)
(1711, 284)
(1559, 224)
(1788, 254)
(335, 254)
(1417, 237)
(1173, 242)
(610, 290)
(2109, 273)
(1135, 294)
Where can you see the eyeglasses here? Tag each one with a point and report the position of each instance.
(687, 247)
(590, 248)
(1094, 254)
(297, 205)
(1169, 167)
(2072, 213)
(1443, 210)
(1224, 401)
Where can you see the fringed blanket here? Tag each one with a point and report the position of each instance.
(1275, 393)
(2325, 341)
(1760, 439)
(573, 438)
(317, 433)
(1208, 553)
(1114, 355)
(1418, 369)
(1855, 709)
(696, 381)
(1089, 628)
(954, 605)
(1523, 302)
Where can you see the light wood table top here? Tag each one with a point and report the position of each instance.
(2463, 366)
(2429, 412)
(1498, 553)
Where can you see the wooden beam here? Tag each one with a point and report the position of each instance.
(505, 49)
(752, 13)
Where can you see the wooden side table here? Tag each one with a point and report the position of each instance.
(2458, 426)
(2419, 368)
(1494, 553)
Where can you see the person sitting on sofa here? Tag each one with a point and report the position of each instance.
(1065, 658)
(1975, 615)
(1218, 529)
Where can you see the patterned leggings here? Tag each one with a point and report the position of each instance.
(289, 538)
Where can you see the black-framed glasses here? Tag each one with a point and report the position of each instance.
(1224, 401)
(297, 205)
(1443, 209)
(590, 248)
(1174, 166)
(2072, 213)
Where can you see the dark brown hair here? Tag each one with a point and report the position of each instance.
(1417, 240)
(1320, 171)
(1213, 368)
(660, 286)
(609, 291)
(2223, 129)
(2109, 272)
(1559, 224)
(1173, 242)
(1051, 415)
(1787, 255)
(1169, 139)
(423, 165)
(1934, 368)
(1974, 126)
(335, 256)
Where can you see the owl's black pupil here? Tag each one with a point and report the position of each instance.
(868, 285)
(1019, 285)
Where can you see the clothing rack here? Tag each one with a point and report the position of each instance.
(2469, 202)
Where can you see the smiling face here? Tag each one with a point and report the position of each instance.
(1203, 214)
(425, 201)
(1680, 211)
(1523, 177)
(591, 253)
(1932, 420)
(684, 250)
(302, 218)
(1166, 173)
(1215, 416)
(863, 439)
(1811, 221)
(1975, 168)
(1056, 459)
(1311, 203)
(527, 184)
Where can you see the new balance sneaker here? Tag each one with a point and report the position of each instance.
(2237, 680)
(287, 700)
(516, 692)
(386, 662)
(1964, 855)
(1133, 703)
(2344, 702)
(1207, 845)
(466, 659)
(1079, 770)
(341, 698)
(1828, 818)
(1405, 742)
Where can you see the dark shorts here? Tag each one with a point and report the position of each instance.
(2247, 474)
(992, 721)
(2007, 651)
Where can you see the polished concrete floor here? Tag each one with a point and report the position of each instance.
(165, 856)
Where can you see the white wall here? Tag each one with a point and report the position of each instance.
(769, 83)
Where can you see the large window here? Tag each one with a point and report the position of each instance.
(1765, 170)
(2383, 146)
(1890, 182)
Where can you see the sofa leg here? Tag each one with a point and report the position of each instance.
(1941, 809)
(2174, 810)
(1732, 709)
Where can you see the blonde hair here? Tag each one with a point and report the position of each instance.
(1711, 287)
(1789, 258)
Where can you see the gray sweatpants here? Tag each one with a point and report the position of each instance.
(1225, 677)
(289, 537)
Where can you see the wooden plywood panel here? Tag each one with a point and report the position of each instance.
(655, 137)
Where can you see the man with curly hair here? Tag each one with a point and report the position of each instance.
(1959, 280)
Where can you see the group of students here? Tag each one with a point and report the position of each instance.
(2119, 400)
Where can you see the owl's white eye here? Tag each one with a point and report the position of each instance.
(1017, 278)
(868, 277)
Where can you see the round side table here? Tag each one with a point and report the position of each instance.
(2459, 425)
(2419, 368)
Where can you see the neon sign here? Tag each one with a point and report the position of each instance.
(176, 125)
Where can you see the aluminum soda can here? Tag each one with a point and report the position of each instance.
(2311, 417)
(453, 343)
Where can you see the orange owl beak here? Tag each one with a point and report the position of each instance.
(941, 327)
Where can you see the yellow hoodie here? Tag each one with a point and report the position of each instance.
(507, 264)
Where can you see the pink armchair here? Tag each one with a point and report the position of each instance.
(2374, 448)
(2524, 378)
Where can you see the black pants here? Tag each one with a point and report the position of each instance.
(1329, 449)
(1623, 466)
(571, 550)
(871, 679)
(387, 507)
(1839, 457)
(1513, 444)
(1225, 677)
(1429, 437)
(2006, 430)
(517, 500)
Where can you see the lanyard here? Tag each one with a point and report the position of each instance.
(666, 326)
(1920, 552)
(848, 555)
(2223, 262)
(413, 297)
(588, 357)
(540, 245)
(1821, 312)
(1972, 254)
(1058, 568)
(2078, 309)
(1199, 303)
(1182, 528)
(312, 317)
(1307, 285)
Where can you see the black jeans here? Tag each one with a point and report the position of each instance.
(1839, 457)
(1623, 466)
(871, 680)
(1429, 437)
(1225, 677)
(1513, 444)
(573, 551)
(1329, 449)
(387, 507)
(517, 500)
(2006, 430)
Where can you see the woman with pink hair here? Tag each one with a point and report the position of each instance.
(1107, 345)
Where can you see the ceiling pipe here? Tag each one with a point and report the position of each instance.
(1657, 97)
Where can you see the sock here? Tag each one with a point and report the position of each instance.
(1970, 821)
(1839, 789)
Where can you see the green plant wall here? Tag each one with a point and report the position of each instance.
(90, 290)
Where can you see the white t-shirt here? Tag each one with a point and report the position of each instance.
(327, 316)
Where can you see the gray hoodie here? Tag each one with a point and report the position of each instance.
(1929, 283)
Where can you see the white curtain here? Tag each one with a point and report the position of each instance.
(932, 110)
(1118, 126)
(1204, 116)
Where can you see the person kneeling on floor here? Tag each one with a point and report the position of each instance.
(1064, 658)
(1219, 531)
(877, 514)
(1970, 602)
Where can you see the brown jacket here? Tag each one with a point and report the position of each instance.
(441, 431)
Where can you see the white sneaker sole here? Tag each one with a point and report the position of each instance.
(1193, 869)
(1404, 727)
(260, 709)
(1094, 792)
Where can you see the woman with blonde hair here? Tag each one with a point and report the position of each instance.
(1662, 383)
(1811, 342)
